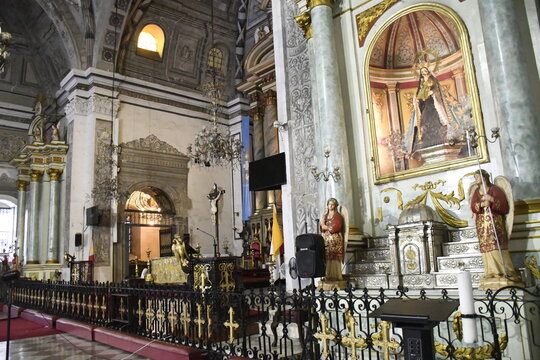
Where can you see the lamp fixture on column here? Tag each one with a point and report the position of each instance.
(5, 37)
(326, 174)
(211, 146)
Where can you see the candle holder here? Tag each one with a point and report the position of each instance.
(326, 174)
(149, 277)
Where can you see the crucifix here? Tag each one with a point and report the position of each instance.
(214, 196)
(382, 340)
(199, 321)
(184, 318)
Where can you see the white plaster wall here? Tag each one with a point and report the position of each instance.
(139, 118)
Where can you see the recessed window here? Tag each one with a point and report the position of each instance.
(151, 40)
(215, 59)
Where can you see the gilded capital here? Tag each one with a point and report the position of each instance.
(304, 22)
(35, 175)
(54, 174)
(366, 19)
(270, 96)
(21, 185)
(313, 3)
(255, 113)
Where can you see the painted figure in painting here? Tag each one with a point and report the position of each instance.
(492, 206)
(332, 226)
(437, 117)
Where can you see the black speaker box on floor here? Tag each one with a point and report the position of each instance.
(310, 257)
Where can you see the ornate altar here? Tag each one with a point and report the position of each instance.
(167, 270)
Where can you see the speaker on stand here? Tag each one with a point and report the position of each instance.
(310, 263)
(9, 277)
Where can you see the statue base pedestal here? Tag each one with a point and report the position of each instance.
(497, 283)
(329, 285)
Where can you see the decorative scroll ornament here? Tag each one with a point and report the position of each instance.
(304, 23)
(326, 334)
(437, 197)
(469, 353)
(532, 265)
(352, 341)
(366, 19)
(382, 340)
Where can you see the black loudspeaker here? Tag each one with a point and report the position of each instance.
(78, 239)
(92, 216)
(310, 256)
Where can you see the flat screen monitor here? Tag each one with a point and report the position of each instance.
(268, 173)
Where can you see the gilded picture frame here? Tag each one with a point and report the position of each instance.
(422, 96)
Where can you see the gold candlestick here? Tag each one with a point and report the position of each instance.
(136, 267)
(149, 277)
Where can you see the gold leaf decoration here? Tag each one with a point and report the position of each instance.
(366, 19)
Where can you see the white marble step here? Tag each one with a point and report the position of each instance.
(369, 255)
(461, 247)
(453, 262)
(449, 279)
(372, 267)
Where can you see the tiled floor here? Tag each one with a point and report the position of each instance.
(61, 346)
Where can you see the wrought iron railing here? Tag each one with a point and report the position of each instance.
(274, 324)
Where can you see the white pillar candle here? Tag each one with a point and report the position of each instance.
(466, 306)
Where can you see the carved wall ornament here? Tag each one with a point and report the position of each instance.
(153, 144)
(314, 3)
(366, 19)
(12, 144)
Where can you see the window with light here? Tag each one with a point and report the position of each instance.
(215, 59)
(151, 41)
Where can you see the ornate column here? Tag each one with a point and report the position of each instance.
(514, 97)
(21, 212)
(258, 150)
(459, 78)
(32, 245)
(54, 205)
(271, 141)
(330, 105)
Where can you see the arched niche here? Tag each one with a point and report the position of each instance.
(158, 168)
(422, 95)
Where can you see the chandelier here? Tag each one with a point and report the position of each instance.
(211, 146)
(5, 37)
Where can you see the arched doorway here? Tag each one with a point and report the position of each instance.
(148, 226)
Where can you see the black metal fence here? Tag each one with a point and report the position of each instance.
(274, 324)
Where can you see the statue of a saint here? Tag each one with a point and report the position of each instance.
(332, 227)
(214, 197)
(55, 134)
(493, 208)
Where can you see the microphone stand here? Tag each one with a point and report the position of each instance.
(216, 250)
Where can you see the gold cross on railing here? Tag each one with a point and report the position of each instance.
(382, 339)
(325, 335)
(199, 321)
(209, 320)
(231, 324)
(184, 318)
(351, 341)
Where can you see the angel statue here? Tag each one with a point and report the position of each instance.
(179, 250)
(333, 226)
(493, 209)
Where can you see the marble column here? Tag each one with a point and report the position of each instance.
(271, 141)
(512, 86)
(393, 105)
(54, 206)
(21, 216)
(330, 104)
(32, 243)
(258, 152)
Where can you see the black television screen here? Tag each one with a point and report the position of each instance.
(267, 173)
(92, 216)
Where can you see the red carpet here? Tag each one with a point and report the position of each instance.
(22, 329)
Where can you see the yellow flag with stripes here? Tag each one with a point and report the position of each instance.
(277, 235)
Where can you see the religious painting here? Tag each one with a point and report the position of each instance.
(422, 95)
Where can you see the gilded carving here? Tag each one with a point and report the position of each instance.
(314, 3)
(153, 144)
(167, 270)
(470, 353)
(382, 340)
(366, 19)
(304, 22)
